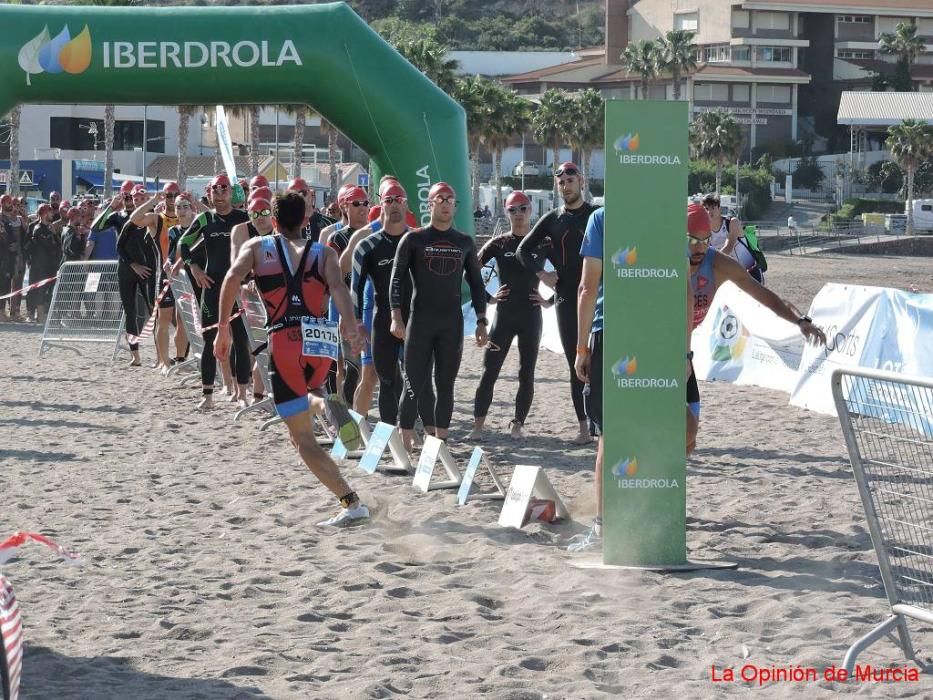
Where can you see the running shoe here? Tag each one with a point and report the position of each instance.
(347, 517)
(592, 540)
(339, 416)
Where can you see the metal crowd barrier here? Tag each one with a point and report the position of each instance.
(85, 308)
(887, 421)
(186, 305)
(255, 319)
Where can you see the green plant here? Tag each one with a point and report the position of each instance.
(907, 46)
(808, 173)
(716, 136)
(678, 54)
(642, 57)
(911, 143)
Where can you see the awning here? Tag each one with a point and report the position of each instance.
(95, 178)
(883, 109)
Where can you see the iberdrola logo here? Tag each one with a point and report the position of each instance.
(627, 143)
(625, 257)
(45, 54)
(626, 468)
(625, 367)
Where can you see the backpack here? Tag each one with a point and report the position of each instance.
(750, 239)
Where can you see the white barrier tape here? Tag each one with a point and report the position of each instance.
(9, 546)
(35, 285)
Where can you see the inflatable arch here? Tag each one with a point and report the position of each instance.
(323, 55)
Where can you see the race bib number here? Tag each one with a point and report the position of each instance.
(319, 337)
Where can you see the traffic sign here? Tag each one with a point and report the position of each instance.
(26, 177)
(362, 179)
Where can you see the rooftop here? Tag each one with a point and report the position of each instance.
(917, 8)
(884, 108)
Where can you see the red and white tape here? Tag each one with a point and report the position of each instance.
(11, 623)
(147, 330)
(34, 285)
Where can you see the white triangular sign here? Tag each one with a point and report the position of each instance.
(528, 482)
(479, 457)
(385, 435)
(25, 179)
(434, 448)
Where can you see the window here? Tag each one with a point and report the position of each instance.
(773, 93)
(687, 21)
(741, 53)
(711, 92)
(714, 53)
(853, 53)
(773, 54)
(74, 134)
(855, 19)
(741, 19)
(779, 21)
(740, 93)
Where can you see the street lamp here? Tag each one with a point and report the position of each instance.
(92, 132)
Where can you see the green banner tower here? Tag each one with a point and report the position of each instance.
(644, 341)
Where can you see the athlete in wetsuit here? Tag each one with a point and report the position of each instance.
(708, 270)
(136, 274)
(293, 276)
(10, 251)
(43, 251)
(316, 221)
(518, 313)
(211, 230)
(184, 212)
(438, 258)
(372, 269)
(259, 208)
(158, 223)
(354, 208)
(563, 228)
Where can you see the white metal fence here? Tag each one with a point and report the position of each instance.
(85, 308)
(188, 311)
(887, 421)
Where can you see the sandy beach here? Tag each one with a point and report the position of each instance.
(205, 576)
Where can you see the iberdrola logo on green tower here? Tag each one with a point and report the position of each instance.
(60, 54)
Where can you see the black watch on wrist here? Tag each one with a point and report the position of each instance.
(482, 321)
(804, 319)
(690, 355)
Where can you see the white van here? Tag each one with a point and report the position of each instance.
(923, 215)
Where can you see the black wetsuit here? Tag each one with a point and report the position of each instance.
(564, 229)
(437, 261)
(316, 223)
(10, 249)
(135, 245)
(43, 252)
(210, 231)
(516, 315)
(339, 240)
(373, 260)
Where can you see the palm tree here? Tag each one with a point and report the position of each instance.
(300, 112)
(110, 120)
(717, 136)
(185, 112)
(331, 131)
(678, 54)
(906, 45)
(552, 122)
(508, 114)
(430, 58)
(254, 139)
(911, 143)
(641, 57)
(13, 183)
(473, 94)
(589, 131)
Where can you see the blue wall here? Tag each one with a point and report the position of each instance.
(47, 175)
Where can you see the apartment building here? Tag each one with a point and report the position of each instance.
(778, 65)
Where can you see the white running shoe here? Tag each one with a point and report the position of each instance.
(347, 516)
(592, 540)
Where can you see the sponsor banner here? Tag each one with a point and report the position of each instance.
(743, 342)
(644, 341)
(848, 316)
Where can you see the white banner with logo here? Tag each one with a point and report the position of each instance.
(225, 144)
(743, 342)
(849, 315)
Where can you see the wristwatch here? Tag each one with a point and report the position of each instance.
(804, 319)
(690, 355)
(482, 321)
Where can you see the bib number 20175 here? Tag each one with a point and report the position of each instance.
(319, 338)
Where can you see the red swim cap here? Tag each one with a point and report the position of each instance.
(374, 213)
(127, 187)
(517, 198)
(258, 181)
(258, 204)
(220, 180)
(355, 194)
(392, 188)
(697, 219)
(441, 188)
(171, 187)
(566, 165)
(298, 185)
(261, 193)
